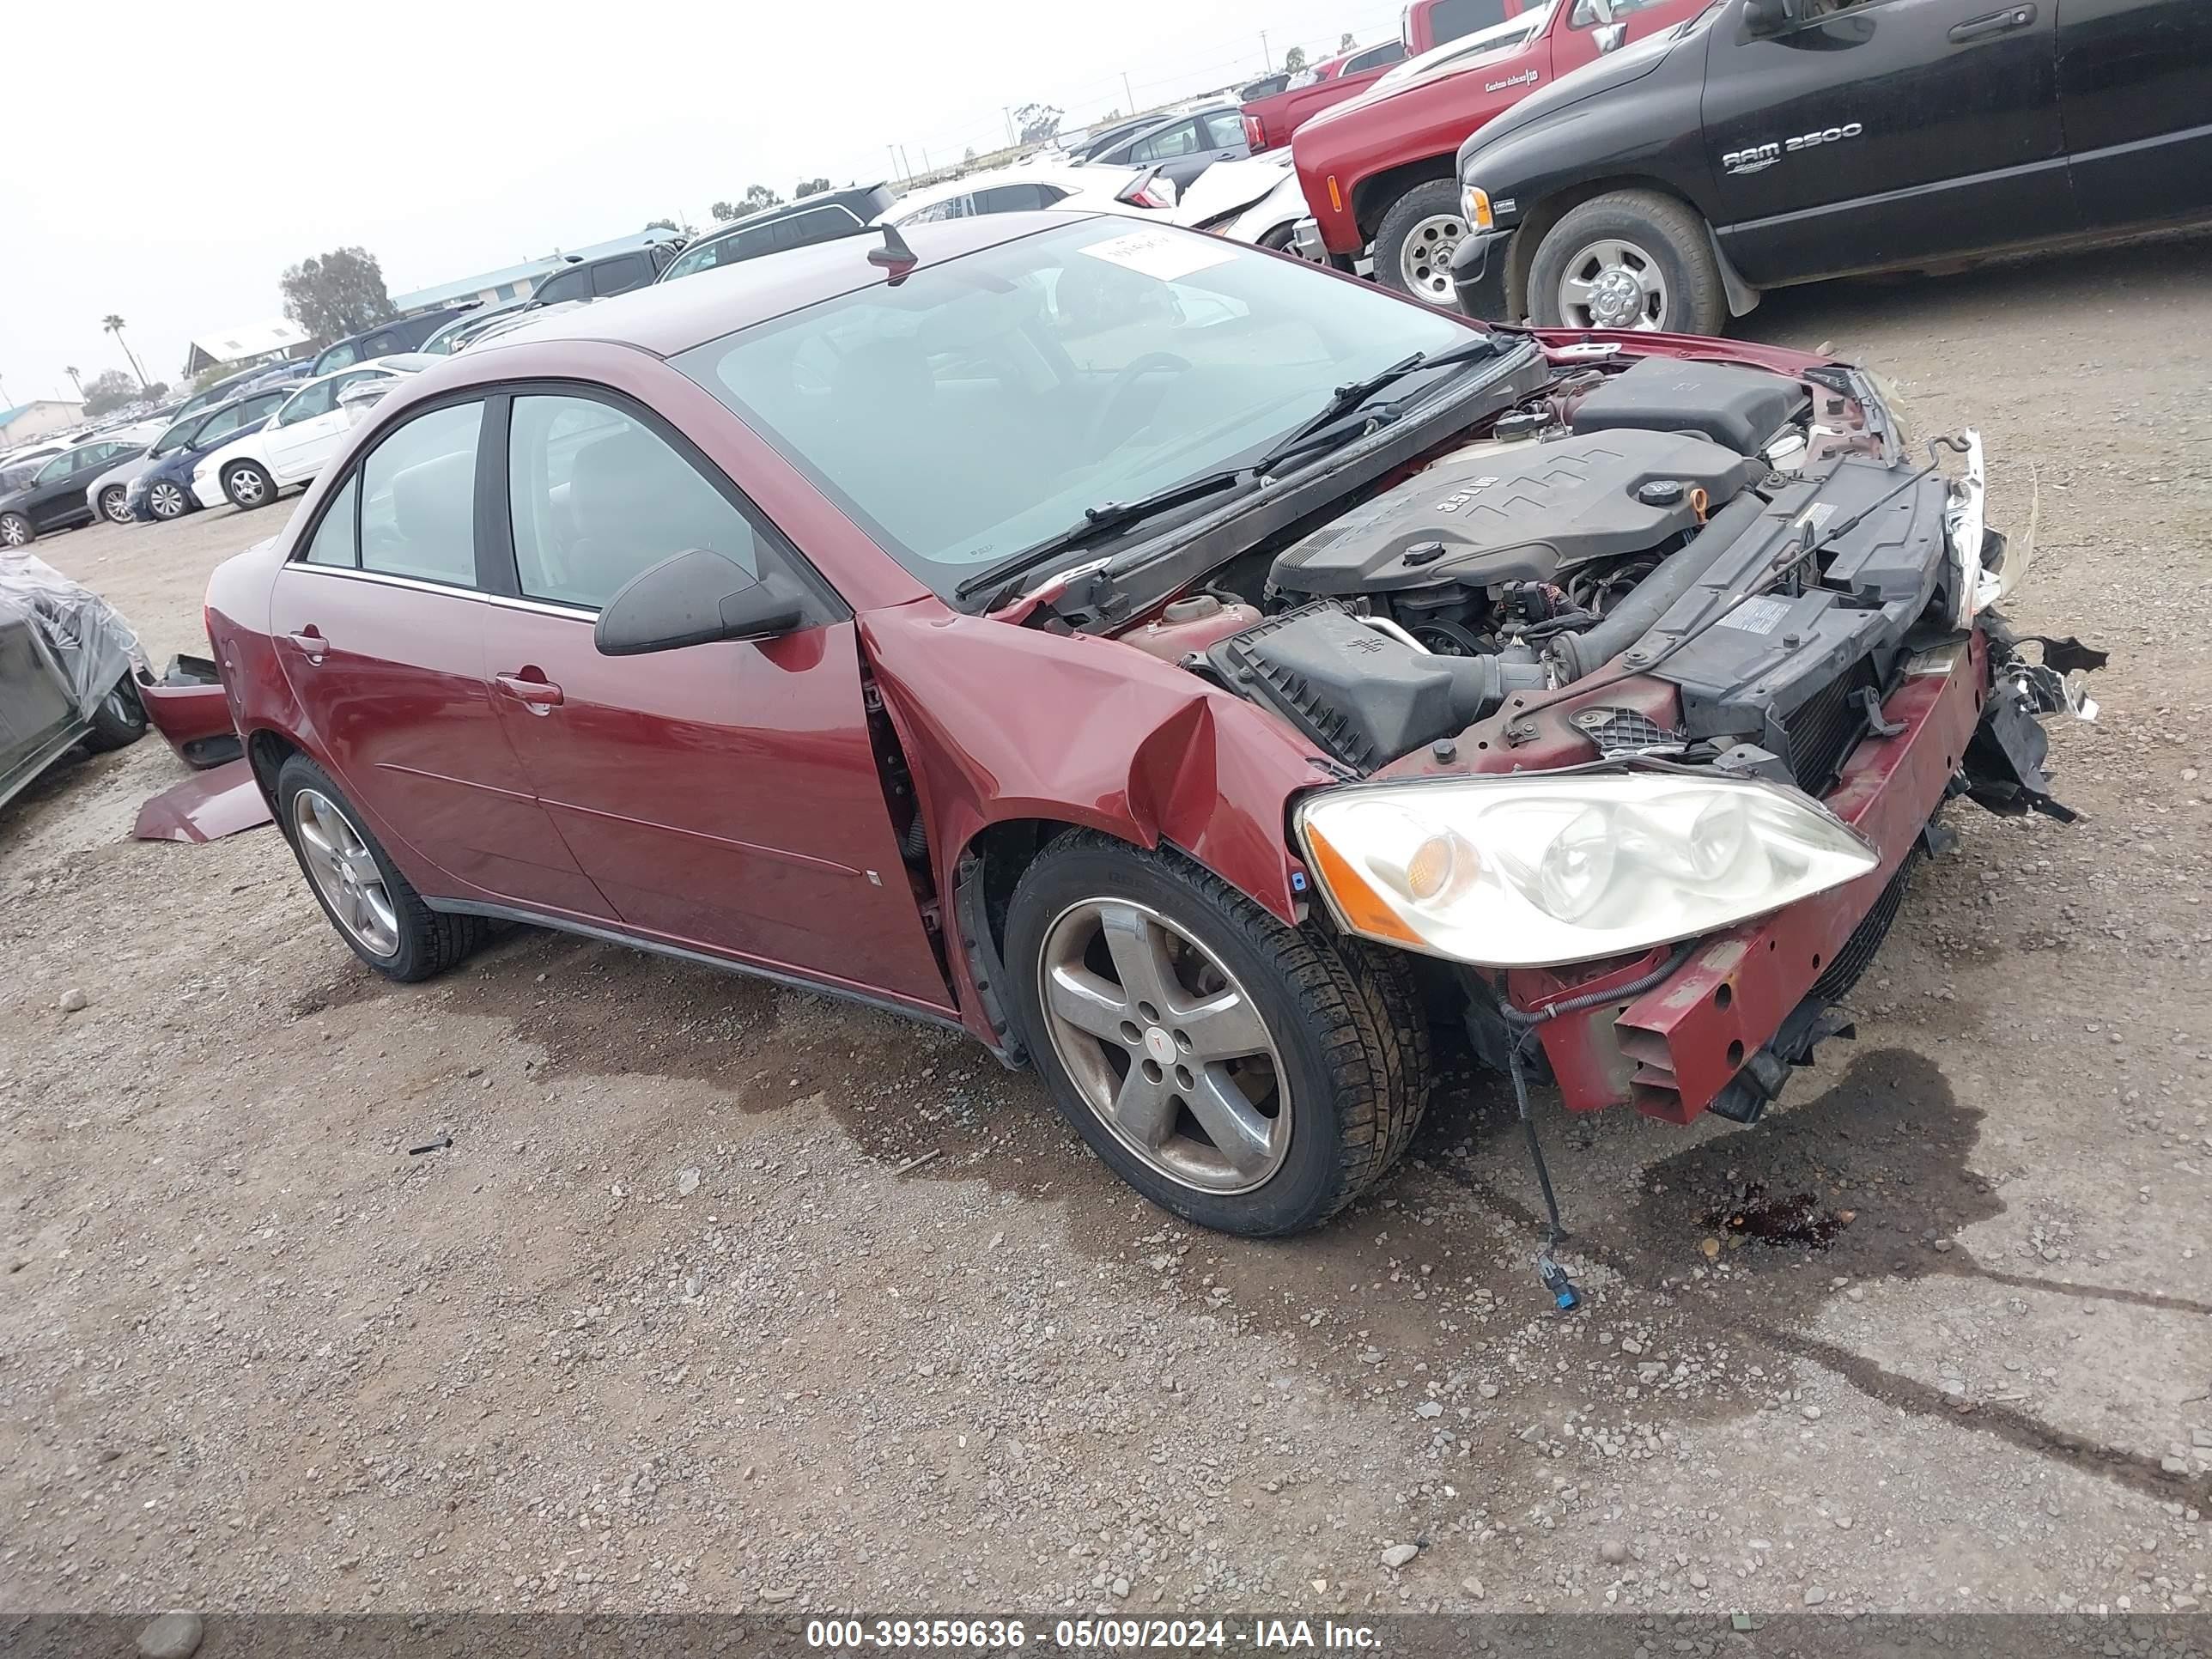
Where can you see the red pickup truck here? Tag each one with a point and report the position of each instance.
(1377, 169)
(1269, 121)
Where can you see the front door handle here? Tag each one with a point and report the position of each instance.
(312, 644)
(540, 696)
(1997, 23)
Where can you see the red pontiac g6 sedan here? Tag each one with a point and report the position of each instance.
(1186, 670)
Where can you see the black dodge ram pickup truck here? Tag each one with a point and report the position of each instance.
(1764, 142)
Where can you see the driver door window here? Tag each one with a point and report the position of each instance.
(315, 400)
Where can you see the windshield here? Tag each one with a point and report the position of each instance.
(980, 406)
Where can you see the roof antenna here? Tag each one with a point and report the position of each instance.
(894, 256)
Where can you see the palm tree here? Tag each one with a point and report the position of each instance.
(112, 324)
(77, 380)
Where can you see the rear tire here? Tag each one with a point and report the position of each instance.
(424, 942)
(113, 505)
(16, 530)
(120, 719)
(1666, 251)
(1335, 1067)
(248, 485)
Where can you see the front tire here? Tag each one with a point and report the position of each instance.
(1633, 259)
(1415, 242)
(248, 485)
(113, 505)
(1247, 1076)
(120, 720)
(166, 500)
(375, 909)
(16, 530)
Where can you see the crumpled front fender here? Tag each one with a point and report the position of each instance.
(1001, 723)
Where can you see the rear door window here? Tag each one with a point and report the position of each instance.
(596, 497)
(1450, 19)
(1224, 129)
(1014, 198)
(418, 498)
(1181, 139)
(621, 275)
(334, 544)
(571, 284)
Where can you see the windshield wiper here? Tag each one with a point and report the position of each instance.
(1098, 521)
(1109, 516)
(1346, 398)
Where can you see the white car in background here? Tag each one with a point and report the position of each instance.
(290, 447)
(1131, 191)
(1257, 200)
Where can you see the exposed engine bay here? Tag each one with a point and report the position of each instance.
(1696, 523)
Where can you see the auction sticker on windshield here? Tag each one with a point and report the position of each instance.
(1161, 254)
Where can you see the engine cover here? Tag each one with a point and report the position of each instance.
(1496, 512)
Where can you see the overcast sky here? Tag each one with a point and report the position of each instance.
(167, 161)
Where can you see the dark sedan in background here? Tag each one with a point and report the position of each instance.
(164, 490)
(54, 499)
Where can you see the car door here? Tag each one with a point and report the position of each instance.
(724, 797)
(1175, 150)
(379, 624)
(306, 430)
(1880, 133)
(2135, 92)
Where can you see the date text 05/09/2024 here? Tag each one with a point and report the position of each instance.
(1088, 1635)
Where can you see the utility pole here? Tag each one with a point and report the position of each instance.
(1266, 56)
(893, 148)
(1011, 139)
(909, 164)
(1128, 94)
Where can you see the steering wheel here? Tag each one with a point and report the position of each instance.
(1153, 362)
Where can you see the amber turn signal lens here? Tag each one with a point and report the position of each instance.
(1362, 907)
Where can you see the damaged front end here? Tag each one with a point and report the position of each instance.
(1647, 702)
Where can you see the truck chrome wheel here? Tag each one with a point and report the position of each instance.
(1165, 1048)
(345, 873)
(1613, 284)
(1425, 258)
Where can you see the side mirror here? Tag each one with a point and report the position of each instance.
(1611, 37)
(694, 599)
(1771, 16)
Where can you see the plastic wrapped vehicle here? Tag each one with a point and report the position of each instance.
(69, 670)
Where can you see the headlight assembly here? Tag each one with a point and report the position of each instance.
(1527, 871)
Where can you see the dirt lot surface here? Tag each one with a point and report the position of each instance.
(679, 1321)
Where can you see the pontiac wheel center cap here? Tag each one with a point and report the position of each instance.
(1159, 1045)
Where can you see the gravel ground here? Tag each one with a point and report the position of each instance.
(681, 1321)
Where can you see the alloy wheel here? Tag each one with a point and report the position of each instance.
(1164, 1046)
(112, 504)
(166, 500)
(345, 872)
(13, 531)
(1613, 284)
(244, 487)
(1425, 258)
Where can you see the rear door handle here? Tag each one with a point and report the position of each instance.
(1997, 23)
(312, 644)
(539, 696)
